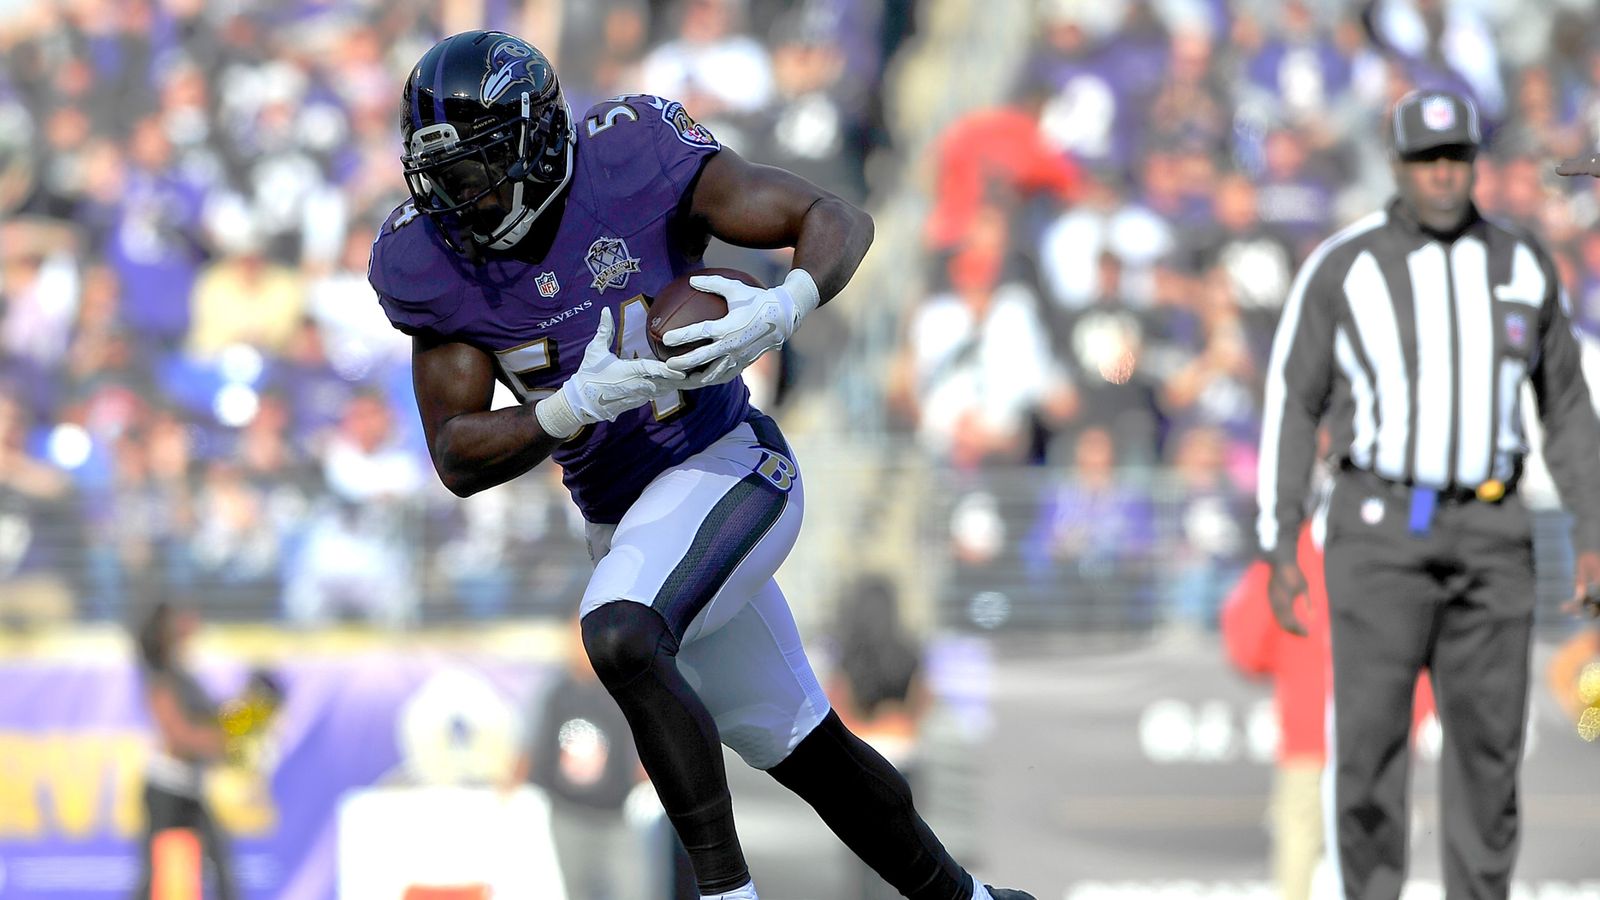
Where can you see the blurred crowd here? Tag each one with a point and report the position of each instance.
(199, 394)
(1108, 252)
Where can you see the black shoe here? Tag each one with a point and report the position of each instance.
(1007, 893)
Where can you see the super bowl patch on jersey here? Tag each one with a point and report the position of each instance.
(609, 262)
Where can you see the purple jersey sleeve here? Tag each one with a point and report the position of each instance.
(683, 145)
(647, 151)
(416, 276)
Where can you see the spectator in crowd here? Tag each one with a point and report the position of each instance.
(815, 124)
(190, 740)
(713, 67)
(1190, 107)
(355, 338)
(1585, 291)
(1448, 45)
(1256, 260)
(977, 366)
(1297, 666)
(1217, 386)
(1086, 104)
(1072, 247)
(988, 151)
(30, 495)
(578, 749)
(1523, 193)
(1104, 349)
(317, 393)
(355, 559)
(1089, 533)
(157, 245)
(244, 298)
(879, 689)
(1539, 128)
(1292, 198)
(601, 48)
(235, 548)
(1298, 68)
(1208, 515)
(140, 515)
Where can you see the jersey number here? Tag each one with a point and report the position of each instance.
(612, 115)
(528, 367)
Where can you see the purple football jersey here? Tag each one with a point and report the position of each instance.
(636, 156)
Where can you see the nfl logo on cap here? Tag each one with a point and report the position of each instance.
(1438, 113)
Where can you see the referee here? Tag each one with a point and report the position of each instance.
(1411, 333)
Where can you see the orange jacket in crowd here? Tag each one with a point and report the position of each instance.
(1298, 666)
(988, 148)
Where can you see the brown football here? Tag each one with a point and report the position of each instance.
(678, 304)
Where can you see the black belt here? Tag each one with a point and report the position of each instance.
(1490, 491)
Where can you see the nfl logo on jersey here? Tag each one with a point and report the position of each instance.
(548, 286)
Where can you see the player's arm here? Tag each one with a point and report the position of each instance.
(473, 447)
(753, 205)
(761, 206)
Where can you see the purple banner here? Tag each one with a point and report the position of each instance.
(74, 738)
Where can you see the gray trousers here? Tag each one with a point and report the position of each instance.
(1457, 600)
(602, 858)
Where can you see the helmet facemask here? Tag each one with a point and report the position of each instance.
(493, 184)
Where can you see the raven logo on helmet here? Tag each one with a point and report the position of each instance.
(510, 62)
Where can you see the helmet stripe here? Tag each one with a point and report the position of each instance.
(438, 86)
(416, 99)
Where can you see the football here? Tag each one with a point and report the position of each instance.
(678, 304)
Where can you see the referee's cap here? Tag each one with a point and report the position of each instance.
(1424, 120)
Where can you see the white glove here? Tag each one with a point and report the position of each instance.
(604, 387)
(758, 319)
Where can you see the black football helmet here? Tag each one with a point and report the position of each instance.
(488, 137)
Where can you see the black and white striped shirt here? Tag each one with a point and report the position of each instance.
(1416, 347)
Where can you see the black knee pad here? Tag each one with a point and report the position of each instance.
(623, 639)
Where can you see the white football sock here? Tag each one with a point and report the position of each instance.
(748, 892)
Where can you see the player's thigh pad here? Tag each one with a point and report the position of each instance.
(705, 535)
(753, 676)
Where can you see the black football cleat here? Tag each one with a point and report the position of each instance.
(1007, 893)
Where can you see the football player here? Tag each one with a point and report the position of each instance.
(528, 251)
